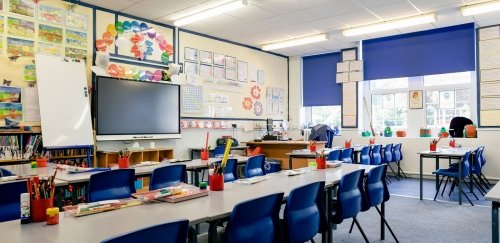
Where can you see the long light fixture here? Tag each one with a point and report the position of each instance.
(211, 12)
(296, 42)
(390, 25)
(481, 8)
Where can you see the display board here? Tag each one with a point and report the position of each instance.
(489, 76)
(233, 81)
(349, 86)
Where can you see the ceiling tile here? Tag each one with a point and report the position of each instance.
(428, 5)
(338, 7)
(251, 13)
(113, 5)
(304, 16)
(356, 19)
(378, 3)
(275, 22)
(283, 6)
(248, 28)
(417, 28)
(393, 11)
(145, 11)
(223, 21)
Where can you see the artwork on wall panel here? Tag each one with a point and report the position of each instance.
(51, 14)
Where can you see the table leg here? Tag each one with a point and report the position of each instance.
(192, 154)
(328, 209)
(197, 178)
(421, 178)
(382, 225)
(212, 231)
(59, 197)
(437, 177)
(494, 221)
(460, 183)
(192, 236)
(290, 158)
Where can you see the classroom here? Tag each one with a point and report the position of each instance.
(176, 121)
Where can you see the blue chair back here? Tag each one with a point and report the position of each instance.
(483, 159)
(256, 220)
(167, 176)
(231, 173)
(396, 153)
(376, 190)
(330, 134)
(255, 166)
(365, 155)
(387, 153)
(350, 196)
(4, 172)
(111, 184)
(305, 207)
(376, 158)
(10, 196)
(334, 154)
(466, 168)
(347, 155)
(171, 232)
(219, 151)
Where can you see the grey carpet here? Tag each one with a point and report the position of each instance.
(426, 221)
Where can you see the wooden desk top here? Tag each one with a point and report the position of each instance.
(291, 142)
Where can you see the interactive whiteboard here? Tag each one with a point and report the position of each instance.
(64, 102)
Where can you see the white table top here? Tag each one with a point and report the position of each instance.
(494, 193)
(94, 228)
(447, 151)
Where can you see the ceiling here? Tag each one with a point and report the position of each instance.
(266, 21)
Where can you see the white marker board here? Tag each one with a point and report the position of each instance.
(64, 105)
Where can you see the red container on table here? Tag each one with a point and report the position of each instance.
(204, 155)
(216, 182)
(433, 147)
(123, 163)
(52, 216)
(321, 163)
(312, 147)
(42, 162)
(39, 209)
(347, 144)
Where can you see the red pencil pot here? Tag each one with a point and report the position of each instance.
(347, 145)
(451, 144)
(204, 155)
(123, 163)
(42, 162)
(372, 142)
(39, 209)
(312, 147)
(321, 163)
(432, 147)
(216, 182)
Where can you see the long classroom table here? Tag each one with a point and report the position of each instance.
(218, 205)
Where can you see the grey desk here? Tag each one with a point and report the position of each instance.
(210, 151)
(448, 153)
(494, 196)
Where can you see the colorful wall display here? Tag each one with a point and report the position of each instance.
(49, 49)
(19, 47)
(50, 14)
(22, 7)
(76, 20)
(75, 53)
(1, 24)
(50, 34)
(76, 38)
(20, 27)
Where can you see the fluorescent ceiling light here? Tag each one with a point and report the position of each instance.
(481, 8)
(295, 42)
(211, 12)
(390, 25)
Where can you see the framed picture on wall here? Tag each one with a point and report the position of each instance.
(230, 62)
(205, 57)
(416, 99)
(190, 54)
(219, 59)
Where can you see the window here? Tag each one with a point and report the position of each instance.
(385, 84)
(329, 115)
(447, 79)
(389, 110)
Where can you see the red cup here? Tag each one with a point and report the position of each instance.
(42, 162)
(123, 163)
(452, 144)
(321, 163)
(39, 209)
(347, 145)
(216, 182)
(204, 155)
(312, 147)
(372, 141)
(432, 147)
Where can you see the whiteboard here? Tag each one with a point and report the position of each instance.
(64, 107)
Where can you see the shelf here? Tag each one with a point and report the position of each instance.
(6, 132)
(14, 160)
(70, 157)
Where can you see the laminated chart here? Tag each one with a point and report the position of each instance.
(192, 99)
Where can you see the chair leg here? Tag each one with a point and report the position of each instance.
(437, 190)
(445, 184)
(352, 226)
(463, 181)
(402, 172)
(360, 229)
(468, 199)
(486, 183)
(387, 224)
(477, 184)
(393, 172)
(486, 179)
(452, 187)
(312, 241)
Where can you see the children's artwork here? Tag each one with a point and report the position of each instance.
(242, 71)
(76, 20)
(20, 27)
(50, 34)
(255, 92)
(260, 77)
(219, 59)
(10, 94)
(192, 99)
(1, 44)
(206, 70)
(18, 47)
(49, 49)
(257, 108)
(1, 5)
(190, 54)
(22, 7)
(11, 110)
(76, 38)
(75, 53)
(191, 68)
(50, 14)
(29, 73)
(230, 74)
(230, 62)
(1, 23)
(205, 57)
(247, 103)
(219, 72)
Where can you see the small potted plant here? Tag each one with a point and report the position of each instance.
(443, 133)
(387, 132)
(321, 160)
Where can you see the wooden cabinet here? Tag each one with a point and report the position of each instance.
(106, 158)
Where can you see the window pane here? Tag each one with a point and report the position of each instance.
(448, 79)
(393, 83)
(329, 115)
(450, 103)
(389, 110)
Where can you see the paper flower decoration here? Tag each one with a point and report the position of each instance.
(247, 103)
(257, 108)
(255, 92)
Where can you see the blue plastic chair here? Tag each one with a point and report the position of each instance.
(387, 158)
(10, 195)
(305, 207)
(167, 176)
(397, 156)
(231, 173)
(256, 220)
(347, 155)
(350, 199)
(171, 232)
(255, 166)
(112, 184)
(4, 172)
(376, 158)
(330, 134)
(219, 151)
(453, 173)
(334, 154)
(365, 155)
(486, 183)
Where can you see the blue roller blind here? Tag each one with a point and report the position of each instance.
(437, 51)
(319, 80)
